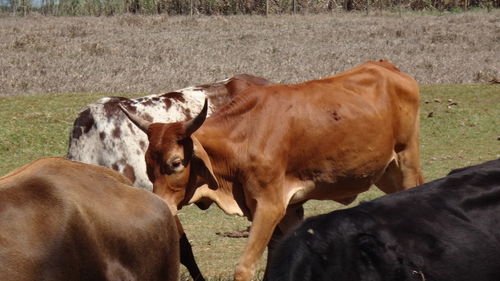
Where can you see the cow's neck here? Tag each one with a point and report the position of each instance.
(222, 150)
(224, 137)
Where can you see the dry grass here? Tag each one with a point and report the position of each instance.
(150, 54)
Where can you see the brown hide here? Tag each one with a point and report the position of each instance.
(64, 220)
(276, 146)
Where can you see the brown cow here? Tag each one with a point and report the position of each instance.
(275, 147)
(64, 220)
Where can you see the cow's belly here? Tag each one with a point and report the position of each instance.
(331, 182)
(343, 189)
(301, 192)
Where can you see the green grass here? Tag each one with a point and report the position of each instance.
(453, 136)
(37, 126)
(462, 134)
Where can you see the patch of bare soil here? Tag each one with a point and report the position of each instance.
(151, 54)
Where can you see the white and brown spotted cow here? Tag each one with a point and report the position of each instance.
(103, 135)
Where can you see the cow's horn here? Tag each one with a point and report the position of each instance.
(138, 121)
(194, 124)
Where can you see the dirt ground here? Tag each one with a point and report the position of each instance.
(151, 54)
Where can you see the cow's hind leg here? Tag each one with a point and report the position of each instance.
(294, 215)
(403, 171)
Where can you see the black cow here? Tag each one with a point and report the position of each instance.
(445, 230)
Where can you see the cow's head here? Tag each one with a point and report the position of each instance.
(175, 160)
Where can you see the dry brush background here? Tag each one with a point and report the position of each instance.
(231, 7)
(151, 54)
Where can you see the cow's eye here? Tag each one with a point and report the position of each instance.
(176, 165)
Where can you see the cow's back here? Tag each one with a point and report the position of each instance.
(63, 220)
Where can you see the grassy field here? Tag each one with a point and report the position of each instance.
(460, 125)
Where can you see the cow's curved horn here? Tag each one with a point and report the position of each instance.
(138, 121)
(194, 124)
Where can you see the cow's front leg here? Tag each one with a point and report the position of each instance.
(266, 217)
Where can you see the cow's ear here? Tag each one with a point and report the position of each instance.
(202, 164)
